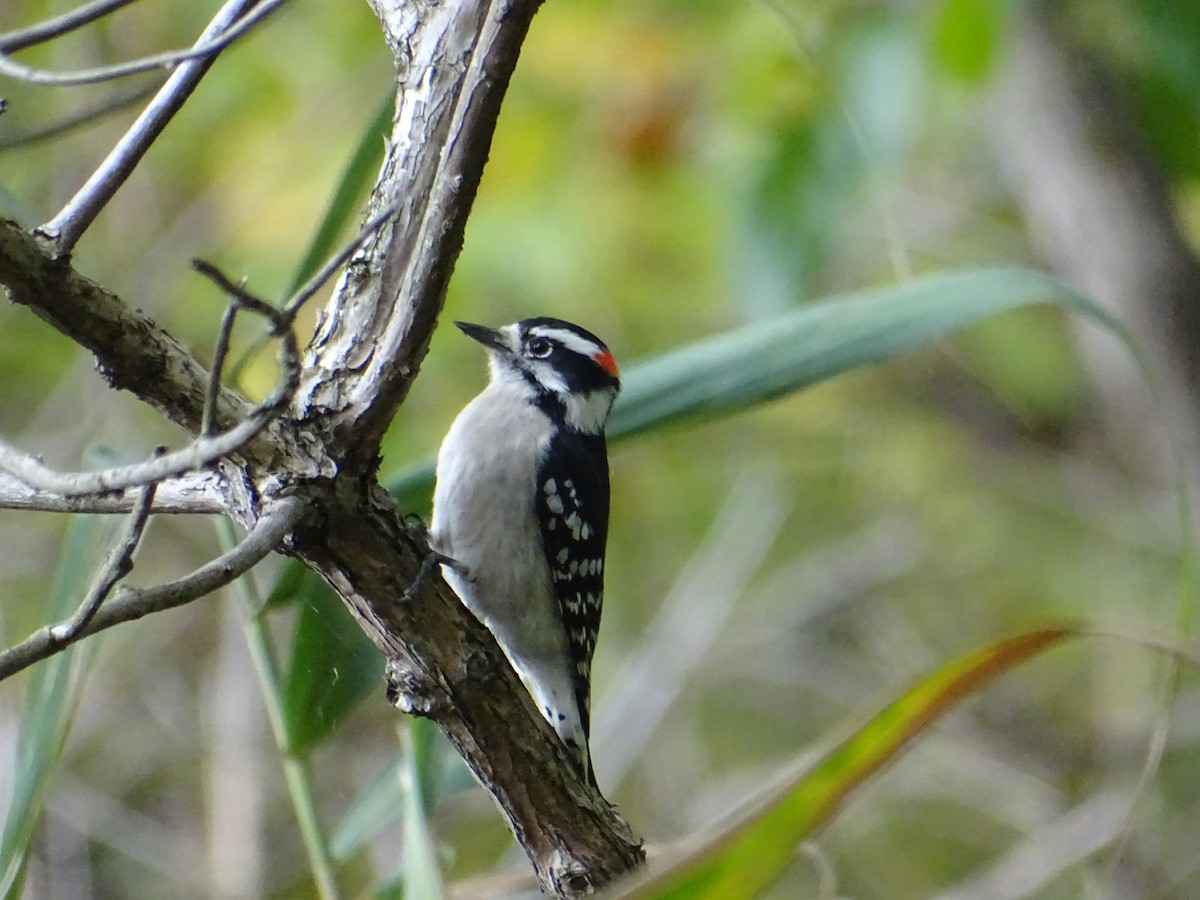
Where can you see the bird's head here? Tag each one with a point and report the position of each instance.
(557, 362)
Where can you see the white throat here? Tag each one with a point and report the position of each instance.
(588, 412)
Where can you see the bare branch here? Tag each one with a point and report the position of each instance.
(81, 117)
(306, 291)
(449, 662)
(48, 29)
(73, 220)
(242, 297)
(454, 63)
(196, 455)
(166, 60)
(202, 452)
(117, 566)
(192, 493)
(220, 351)
(133, 603)
(133, 353)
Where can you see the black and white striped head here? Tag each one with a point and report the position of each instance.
(558, 363)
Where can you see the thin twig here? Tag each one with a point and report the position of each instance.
(190, 493)
(81, 117)
(133, 603)
(220, 351)
(165, 60)
(73, 220)
(241, 296)
(281, 327)
(197, 455)
(339, 259)
(292, 306)
(117, 566)
(48, 29)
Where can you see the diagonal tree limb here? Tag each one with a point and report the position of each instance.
(196, 455)
(48, 29)
(453, 62)
(132, 352)
(65, 229)
(440, 653)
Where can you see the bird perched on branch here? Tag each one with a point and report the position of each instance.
(521, 509)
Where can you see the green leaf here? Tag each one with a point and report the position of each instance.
(333, 667)
(769, 359)
(754, 364)
(288, 585)
(746, 857)
(51, 697)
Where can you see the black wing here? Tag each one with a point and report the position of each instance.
(573, 512)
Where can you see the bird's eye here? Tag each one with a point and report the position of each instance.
(540, 348)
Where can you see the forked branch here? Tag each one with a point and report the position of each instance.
(133, 603)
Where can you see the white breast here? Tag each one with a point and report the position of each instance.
(484, 518)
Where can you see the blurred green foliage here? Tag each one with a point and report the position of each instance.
(663, 171)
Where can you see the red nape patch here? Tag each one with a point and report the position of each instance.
(605, 360)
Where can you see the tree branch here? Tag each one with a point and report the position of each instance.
(442, 655)
(118, 565)
(65, 229)
(454, 62)
(133, 603)
(193, 493)
(131, 351)
(48, 29)
(166, 60)
(196, 455)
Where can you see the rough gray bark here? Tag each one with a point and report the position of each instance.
(453, 62)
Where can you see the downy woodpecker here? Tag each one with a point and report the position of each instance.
(521, 508)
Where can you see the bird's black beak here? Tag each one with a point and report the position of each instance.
(489, 337)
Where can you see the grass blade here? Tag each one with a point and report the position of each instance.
(50, 697)
(746, 857)
(771, 358)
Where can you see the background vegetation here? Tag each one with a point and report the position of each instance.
(665, 171)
